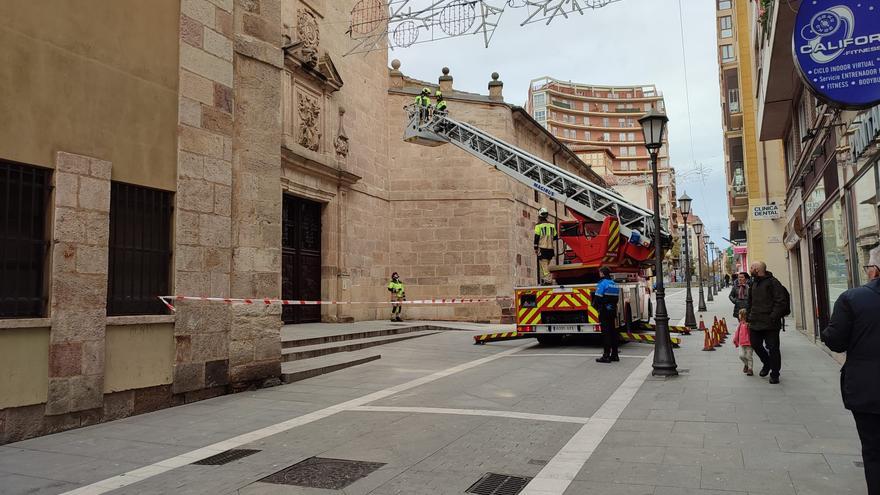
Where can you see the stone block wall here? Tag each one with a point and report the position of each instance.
(79, 284)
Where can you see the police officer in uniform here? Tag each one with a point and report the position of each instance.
(398, 294)
(605, 300)
(545, 236)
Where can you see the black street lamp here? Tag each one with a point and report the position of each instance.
(653, 126)
(714, 269)
(720, 260)
(709, 298)
(698, 230)
(690, 321)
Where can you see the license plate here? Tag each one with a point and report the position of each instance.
(564, 328)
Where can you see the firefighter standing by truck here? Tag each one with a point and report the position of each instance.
(545, 237)
(605, 300)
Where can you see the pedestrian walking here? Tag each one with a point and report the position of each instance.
(398, 295)
(739, 294)
(855, 329)
(726, 280)
(605, 300)
(768, 304)
(742, 340)
(545, 237)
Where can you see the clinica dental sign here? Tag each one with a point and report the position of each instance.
(837, 50)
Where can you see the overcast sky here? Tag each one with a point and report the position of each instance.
(629, 42)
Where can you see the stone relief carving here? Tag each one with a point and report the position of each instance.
(341, 138)
(308, 34)
(309, 113)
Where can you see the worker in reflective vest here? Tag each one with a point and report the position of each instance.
(423, 102)
(545, 236)
(441, 103)
(605, 300)
(398, 294)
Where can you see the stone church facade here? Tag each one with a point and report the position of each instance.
(276, 168)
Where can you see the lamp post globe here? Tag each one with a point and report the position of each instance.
(654, 127)
(709, 297)
(698, 230)
(690, 321)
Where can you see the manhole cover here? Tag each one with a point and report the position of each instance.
(318, 472)
(498, 484)
(859, 464)
(226, 457)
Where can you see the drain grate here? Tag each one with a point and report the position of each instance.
(498, 484)
(318, 472)
(859, 464)
(226, 457)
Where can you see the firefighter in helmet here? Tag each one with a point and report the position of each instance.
(545, 237)
(398, 294)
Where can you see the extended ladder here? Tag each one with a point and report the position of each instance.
(586, 198)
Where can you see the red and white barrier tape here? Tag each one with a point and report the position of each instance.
(266, 302)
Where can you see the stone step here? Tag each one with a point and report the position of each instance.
(313, 351)
(326, 339)
(295, 371)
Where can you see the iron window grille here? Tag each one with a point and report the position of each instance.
(24, 201)
(140, 249)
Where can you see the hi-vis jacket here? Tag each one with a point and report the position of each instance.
(396, 288)
(545, 234)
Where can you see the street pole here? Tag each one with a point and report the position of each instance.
(698, 229)
(690, 320)
(653, 124)
(709, 298)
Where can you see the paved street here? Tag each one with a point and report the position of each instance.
(438, 413)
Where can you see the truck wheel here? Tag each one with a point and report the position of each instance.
(549, 339)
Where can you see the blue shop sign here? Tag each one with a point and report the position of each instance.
(837, 49)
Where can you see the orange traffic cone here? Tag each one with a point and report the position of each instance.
(716, 329)
(724, 326)
(708, 345)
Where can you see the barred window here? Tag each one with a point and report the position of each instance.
(140, 249)
(24, 201)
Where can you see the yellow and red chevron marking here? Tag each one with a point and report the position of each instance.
(645, 337)
(546, 299)
(613, 240)
(491, 337)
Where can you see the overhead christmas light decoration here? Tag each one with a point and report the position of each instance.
(377, 24)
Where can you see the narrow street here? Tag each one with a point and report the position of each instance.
(437, 413)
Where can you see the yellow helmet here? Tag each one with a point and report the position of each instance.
(426, 91)
(438, 94)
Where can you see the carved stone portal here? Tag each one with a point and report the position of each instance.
(309, 113)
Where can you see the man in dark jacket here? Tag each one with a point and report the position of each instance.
(855, 329)
(739, 294)
(766, 308)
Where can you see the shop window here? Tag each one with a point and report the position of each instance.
(834, 245)
(866, 228)
(140, 249)
(24, 201)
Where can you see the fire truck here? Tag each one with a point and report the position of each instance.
(606, 230)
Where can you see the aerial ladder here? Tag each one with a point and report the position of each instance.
(608, 231)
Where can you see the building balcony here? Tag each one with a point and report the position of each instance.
(778, 82)
(596, 99)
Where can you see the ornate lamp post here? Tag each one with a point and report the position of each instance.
(709, 297)
(653, 126)
(698, 230)
(684, 204)
(720, 261)
(713, 270)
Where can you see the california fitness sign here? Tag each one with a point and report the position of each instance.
(837, 49)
